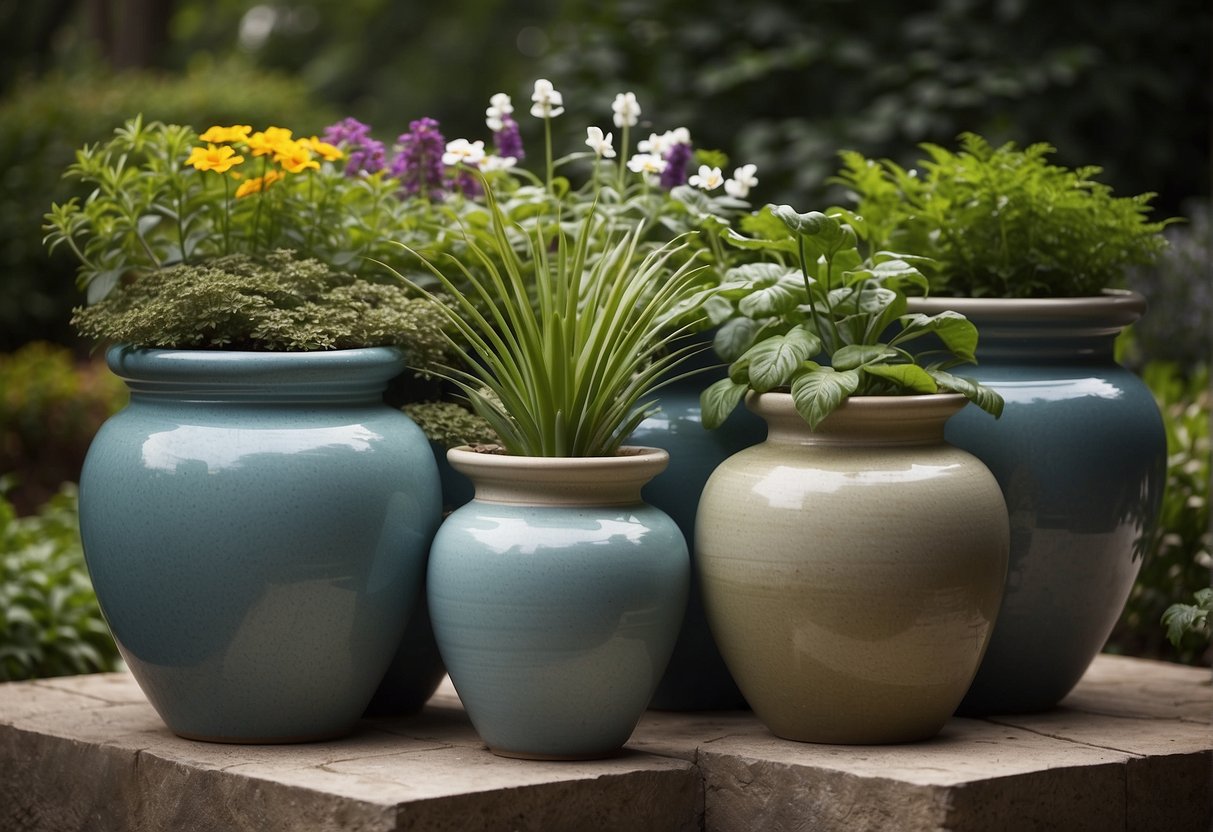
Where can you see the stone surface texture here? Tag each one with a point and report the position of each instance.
(1130, 749)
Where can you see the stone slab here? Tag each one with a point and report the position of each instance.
(1131, 748)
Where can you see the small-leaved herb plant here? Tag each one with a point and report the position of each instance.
(825, 323)
(276, 302)
(1001, 222)
(562, 341)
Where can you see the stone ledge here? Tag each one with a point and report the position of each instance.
(1131, 748)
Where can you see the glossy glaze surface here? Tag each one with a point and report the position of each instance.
(696, 678)
(1080, 453)
(852, 575)
(255, 525)
(556, 614)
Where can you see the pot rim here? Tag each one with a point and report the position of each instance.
(561, 480)
(878, 420)
(191, 365)
(1114, 307)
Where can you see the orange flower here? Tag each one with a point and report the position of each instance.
(258, 184)
(226, 135)
(295, 158)
(269, 141)
(218, 159)
(329, 152)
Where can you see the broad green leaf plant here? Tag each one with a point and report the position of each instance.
(561, 343)
(821, 321)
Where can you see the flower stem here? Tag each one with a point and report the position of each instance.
(547, 148)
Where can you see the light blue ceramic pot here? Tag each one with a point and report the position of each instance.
(256, 526)
(697, 678)
(1080, 454)
(556, 596)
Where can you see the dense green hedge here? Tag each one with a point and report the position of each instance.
(43, 123)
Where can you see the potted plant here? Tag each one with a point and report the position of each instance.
(256, 521)
(853, 563)
(656, 183)
(1033, 253)
(556, 593)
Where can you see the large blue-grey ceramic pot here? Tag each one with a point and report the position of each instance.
(697, 678)
(1080, 454)
(256, 527)
(556, 596)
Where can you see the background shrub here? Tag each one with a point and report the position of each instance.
(50, 623)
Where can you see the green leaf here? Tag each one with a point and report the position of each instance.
(909, 376)
(718, 310)
(957, 332)
(735, 337)
(774, 359)
(856, 355)
(809, 224)
(773, 294)
(718, 401)
(985, 398)
(818, 392)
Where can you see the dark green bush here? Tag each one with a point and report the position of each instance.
(50, 622)
(42, 123)
(51, 404)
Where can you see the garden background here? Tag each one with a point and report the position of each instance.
(783, 84)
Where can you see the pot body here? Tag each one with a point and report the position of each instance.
(852, 574)
(1080, 454)
(256, 525)
(556, 596)
(697, 678)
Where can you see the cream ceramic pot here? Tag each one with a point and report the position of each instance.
(852, 574)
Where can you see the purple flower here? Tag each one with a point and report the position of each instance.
(364, 154)
(418, 165)
(676, 160)
(508, 140)
(463, 182)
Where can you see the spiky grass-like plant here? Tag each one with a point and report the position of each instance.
(563, 335)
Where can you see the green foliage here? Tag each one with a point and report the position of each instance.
(818, 299)
(1178, 556)
(50, 623)
(275, 303)
(51, 404)
(160, 198)
(1003, 221)
(450, 424)
(1184, 619)
(561, 342)
(43, 122)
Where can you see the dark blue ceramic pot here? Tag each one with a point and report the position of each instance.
(256, 527)
(1080, 454)
(697, 678)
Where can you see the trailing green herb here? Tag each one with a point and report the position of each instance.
(826, 323)
(1002, 221)
(1182, 619)
(50, 623)
(562, 342)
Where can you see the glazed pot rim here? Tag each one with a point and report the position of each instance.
(883, 420)
(189, 365)
(631, 455)
(1112, 305)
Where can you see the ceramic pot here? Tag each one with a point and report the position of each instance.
(256, 526)
(556, 596)
(1080, 454)
(852, 574)
(696, 678)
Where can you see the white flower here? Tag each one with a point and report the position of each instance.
(709, 179)
(488, 164)
(549, 103)
(658, 144)
(627, 111)
(646, 163)
(743, 179)
(499, 107)
(600, 144)
(461, 150)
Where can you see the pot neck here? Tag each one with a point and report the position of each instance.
(560, 481)
(216, 376)
(862, 420)
(1061, 329)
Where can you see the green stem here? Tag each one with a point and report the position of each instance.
(623, 157)
(227, 215)
(547, 148)
(260, 202)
